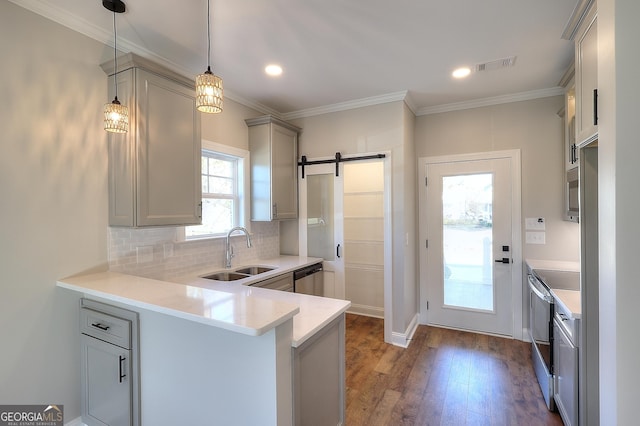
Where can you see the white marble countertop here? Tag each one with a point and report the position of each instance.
(554, 265)
(228, 305)
(570, 300)
(315, 312)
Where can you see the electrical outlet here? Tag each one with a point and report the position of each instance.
(534, 224)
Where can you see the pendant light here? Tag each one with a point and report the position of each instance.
(209, 93)
(116, 115)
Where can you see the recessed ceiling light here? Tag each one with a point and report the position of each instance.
(273, 70)
(461, 72)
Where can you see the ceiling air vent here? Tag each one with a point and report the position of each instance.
(497, 64)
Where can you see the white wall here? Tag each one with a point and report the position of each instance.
(534, 128)
(53, 187)
(373, 129)
(229, 127)
(619, 204)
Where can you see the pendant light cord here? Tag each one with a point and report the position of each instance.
(115, 54)
(209, 34)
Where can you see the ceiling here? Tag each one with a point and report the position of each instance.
(342, 53)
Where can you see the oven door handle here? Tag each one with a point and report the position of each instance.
(538, 293)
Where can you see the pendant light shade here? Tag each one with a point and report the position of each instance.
(209, 92)
(116, 115)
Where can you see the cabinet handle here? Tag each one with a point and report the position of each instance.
(338, 251)
(595, 107)
(122, 376)
(100, 326)
(275, 210)
(200, 208)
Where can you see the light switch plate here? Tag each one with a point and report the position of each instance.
(535, 237)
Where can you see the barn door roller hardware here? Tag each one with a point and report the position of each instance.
(338, 159)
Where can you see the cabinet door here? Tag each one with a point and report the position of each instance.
(586, 78)
(282, 282)
(284, 184)
(566, 376)
(106, 384)
(570, 148)
(319, 377)
(169, 151)
(122, 157)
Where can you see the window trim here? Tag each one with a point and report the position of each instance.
(243, 187)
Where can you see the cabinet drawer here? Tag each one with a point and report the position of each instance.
(106, 327)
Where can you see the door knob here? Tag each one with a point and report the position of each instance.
(503, 260)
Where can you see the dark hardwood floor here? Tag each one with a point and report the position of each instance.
(445, 377)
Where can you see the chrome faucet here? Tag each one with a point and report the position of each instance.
(229, 247)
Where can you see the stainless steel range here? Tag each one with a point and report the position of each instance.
(541, 311)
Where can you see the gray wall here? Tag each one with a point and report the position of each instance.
(53, 187)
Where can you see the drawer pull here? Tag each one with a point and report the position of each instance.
(100, 326)
(122, 376)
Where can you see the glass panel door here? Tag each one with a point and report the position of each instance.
(468, 266)
(320, 216)
(467, 205)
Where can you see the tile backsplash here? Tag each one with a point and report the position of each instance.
(156, 253)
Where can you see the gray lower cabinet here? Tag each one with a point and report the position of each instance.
(110, 390)
(282, 282)
(565, 355)
(319, 377)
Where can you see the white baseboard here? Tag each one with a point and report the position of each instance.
(365, 310)
(404, 339)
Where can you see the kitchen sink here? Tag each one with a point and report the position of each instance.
(237, 274)
(226, 276)
(254, 270)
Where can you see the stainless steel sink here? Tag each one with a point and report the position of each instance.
(237, 274)
(226, 276)
(254, 270)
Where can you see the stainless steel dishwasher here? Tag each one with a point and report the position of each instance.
(309, 280)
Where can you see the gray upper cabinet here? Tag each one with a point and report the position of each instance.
(273, 145)
(587, 78)
(154, 169)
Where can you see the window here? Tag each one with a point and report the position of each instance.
(223, 189)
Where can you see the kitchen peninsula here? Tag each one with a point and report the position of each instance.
(226, 353)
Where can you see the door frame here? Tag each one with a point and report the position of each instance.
(517, 300)
(388, 234)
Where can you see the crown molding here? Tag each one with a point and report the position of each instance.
(343, 106)
(69, 20)
(496, 100)
(575, 20)
(253, 104)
